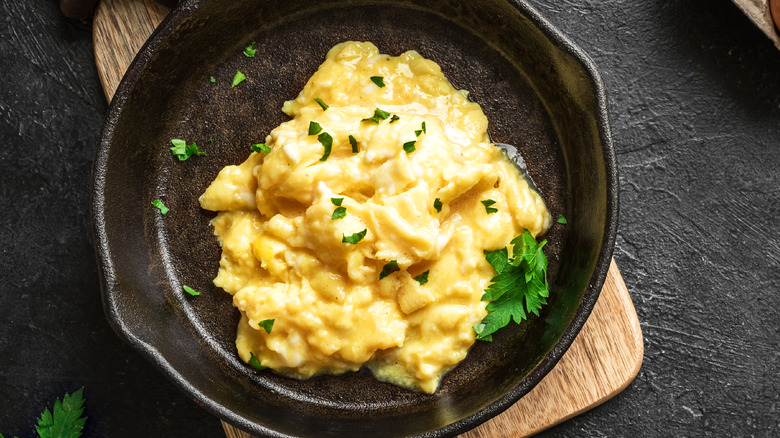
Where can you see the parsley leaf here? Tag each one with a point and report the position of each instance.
(561, 219)
(327, 142)
(354, 238)
(250, 51)
(378, 80)
(160, 206)
(487, 203)
(260, 147)
(394, 118)
(421, 130)
(254, 363)
(409, 146)
(379, 115)
(182, 150)
(267, 325)
(353, 142)
(322, 104)
(437, 204)
(238, 78)
(314, 128)
(519, 288)
(191, 291)
(339, 213)
(422, 278)
(65, 420)
(389, 268)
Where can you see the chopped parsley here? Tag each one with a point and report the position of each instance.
(354, 238)
(378, 80)
(260, 147)
(379, 115)
(250, 51)
(266, 324)
(191, 291)
(212, 80)
(422, 278)
(160, 206)
(389, 268)
(322, 104)
(437, 204)
(340, 211)
(409, 146)
(519, 287)
(182, 150)
(561, 219)
(394, 118)
(421, 130)
(353, 143)
(487, 203)
(327, 142)
(254, 362)
(314, 128)
(238, 78)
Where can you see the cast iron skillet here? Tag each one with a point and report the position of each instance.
(540, 93)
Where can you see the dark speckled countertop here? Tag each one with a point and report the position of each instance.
(694, 97)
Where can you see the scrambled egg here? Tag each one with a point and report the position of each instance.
(421, 193)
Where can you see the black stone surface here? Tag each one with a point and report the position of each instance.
(694, 92)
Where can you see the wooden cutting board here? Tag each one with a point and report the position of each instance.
(604, 358)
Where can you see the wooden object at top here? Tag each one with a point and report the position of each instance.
(604, 358)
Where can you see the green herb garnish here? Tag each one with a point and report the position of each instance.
(394, 118)
(354, 238)
(64, 420)
(322, 104)
(422, 278)
(421, 130)
(437, 204)
(519, 288)
(260, 147)
(561, 219)
(314, 128)
(250, 51)
(266, 324)
(327, 142)
(212, 80)
(160, 206)
(340, 211)
(487, 203)
(353, 143)
(409, 146)
(389, 268)
(191, 291)
(182, 150)
(378, 80)
(254, 363)
(238, 78)
(379, 115)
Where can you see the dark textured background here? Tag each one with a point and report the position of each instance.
(694, 94)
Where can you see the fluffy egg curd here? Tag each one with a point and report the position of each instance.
(356, 235)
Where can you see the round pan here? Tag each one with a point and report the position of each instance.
(539, 92)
